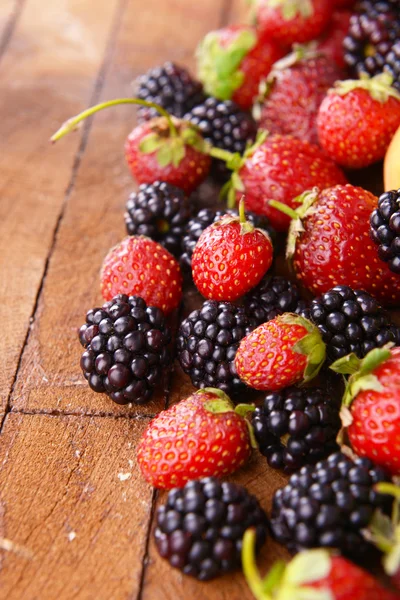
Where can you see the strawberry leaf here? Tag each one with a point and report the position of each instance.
(164, 155)
(150, 143)
(380, 87)
(290, 9)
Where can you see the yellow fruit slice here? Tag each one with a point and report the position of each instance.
(391, 165)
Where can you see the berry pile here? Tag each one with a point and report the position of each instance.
(308, 327)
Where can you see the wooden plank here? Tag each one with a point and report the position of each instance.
(47, 74)
(74, 506)
(50, 377)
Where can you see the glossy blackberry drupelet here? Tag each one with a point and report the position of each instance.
(126, 349)
(206, 217)
(272, 297)
(351, 321)
(328, 505)
(200, 528)
(225, 126)
(207, 343)
(170, 86)
(392, 65)
(296, 426)
(161, 212)
(373, 31)
(385, 229)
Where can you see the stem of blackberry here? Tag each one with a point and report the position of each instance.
(72, 123)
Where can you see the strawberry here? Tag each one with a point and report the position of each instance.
(384, 532)
(371, 405)
(280, 168)
(330, 245)
(343, 3)
(291, 94)
(282, 352)
(162, 149)
(203, 435)
(142, 267)
(310, 575)
(331, 42)
(230, 258)
(290, 21)
(357, 120)
(233, 60)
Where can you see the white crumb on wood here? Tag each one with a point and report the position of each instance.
(71, 536)
(124, 476)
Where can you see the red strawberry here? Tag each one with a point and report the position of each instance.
(330, 244)
(232, 62)
(331, 43)
(293, 91)
(282, 352)
(310, 575)
(142, 267)
(280, 168)
(344, 3)
(290, 21)
(358, 119)
(201, 436)
(371, 405)
(162, 149)
(230, 258)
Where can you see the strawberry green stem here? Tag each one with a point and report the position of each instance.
(388, 488)
(72, 123)
(242, 214)
(221, 154)
(250, 570)
(284, 209)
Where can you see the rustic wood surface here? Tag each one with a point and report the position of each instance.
(74, 510)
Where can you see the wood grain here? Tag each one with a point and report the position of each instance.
(47, 74)
(74, 506)
(50, 378)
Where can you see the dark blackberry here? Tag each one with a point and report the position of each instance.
(161, 212)
(208, 216)
(272, 297)
(328, 505)
(296, 426)
(200, 528)
(225, 126)
(170, 86)
(373, 31)
(351, 321)
(385, 229)
(207, 343)
(392, 65)
(126, 349)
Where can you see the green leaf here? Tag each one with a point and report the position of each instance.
(178, 151)
(237, 182)
(380, 87)
(150, 143)
(307, 567)
(347, 364)
(164, 155)
(291, 8)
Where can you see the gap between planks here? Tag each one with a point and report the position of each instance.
(94, 98)
(10, 26)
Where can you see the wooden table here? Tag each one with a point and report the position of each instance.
(75, 514)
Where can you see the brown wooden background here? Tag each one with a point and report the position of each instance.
(73, 506)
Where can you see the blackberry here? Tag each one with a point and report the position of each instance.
(351, 321)
(207, 343)
(225, 126)
(160, 211)
(170, 86)
(372, 33)
(328, 505)
(296, 426)
(126, 349)
(200, 528)
(205, 218)
(385, 229)
(272, 297)
(392, 65)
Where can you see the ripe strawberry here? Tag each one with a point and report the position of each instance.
(357, 120)
(279, 168)
(293, 91)
(330, 244)
(162, 149)
(371, 405)
(203, 435)
(282, 352)
(331, 42)
(233, 60)
(230, 258)
(140, 266)
(384, 532)
(310, 575)
(290, 21)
